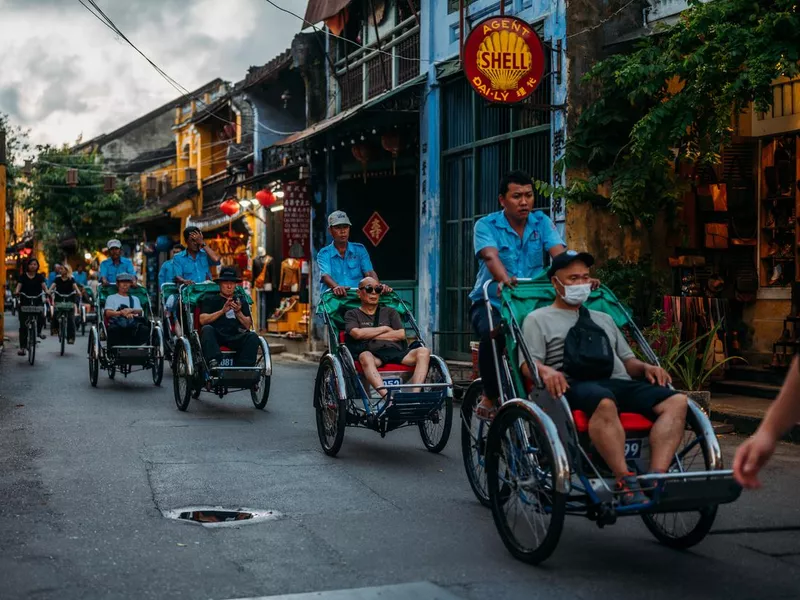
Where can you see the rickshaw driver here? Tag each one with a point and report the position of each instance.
(342, 263)
(115, 264)
(193, 265)
(508, 244)
(545, 331)
(379, 333)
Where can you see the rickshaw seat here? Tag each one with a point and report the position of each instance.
(388, 368)
(630, 421)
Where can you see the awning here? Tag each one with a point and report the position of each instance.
(319, 10)
(346, 114)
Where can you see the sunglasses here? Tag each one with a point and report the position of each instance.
(378, 289)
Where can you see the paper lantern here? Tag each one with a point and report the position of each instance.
(230, 207)
(361, 153)
(164, 243)
(391, 143)
(265, 198)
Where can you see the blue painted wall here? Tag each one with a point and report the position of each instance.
(439, 43)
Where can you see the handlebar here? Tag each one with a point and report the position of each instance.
(36, 297)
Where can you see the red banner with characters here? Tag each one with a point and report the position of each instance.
(296, 220)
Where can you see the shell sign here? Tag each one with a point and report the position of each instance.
(504, 59)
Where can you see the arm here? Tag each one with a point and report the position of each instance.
(491, 257)
(213, 256)
(245, 320)
(369, 333)
(642, 370)
(536, 342)
(18, 289)
(206, 318)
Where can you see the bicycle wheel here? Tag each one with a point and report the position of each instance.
(435, 430)
(528, 512)
(94, 359)
(473, 442)
(181, 380)
(32, 337)
(685, 529)
(330, 410)
(259, 393)
(158, 357)
(62, 333)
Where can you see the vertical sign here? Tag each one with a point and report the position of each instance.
(296, 220)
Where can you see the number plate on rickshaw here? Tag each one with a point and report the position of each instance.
(633, 449)
(392, 381)
(226, 362)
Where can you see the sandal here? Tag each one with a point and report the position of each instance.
(485, 413)
(21, 352)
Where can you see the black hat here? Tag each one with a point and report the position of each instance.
(567, 258)
(227, 274)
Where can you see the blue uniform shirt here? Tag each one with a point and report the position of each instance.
(110, 271)
(345, 270)
(51, 278)
(194, 269)
(166, 274)
(521, 257)
(81, 278)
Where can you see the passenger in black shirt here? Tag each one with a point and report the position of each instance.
(65, 285)
(31, 283)
(226, 321)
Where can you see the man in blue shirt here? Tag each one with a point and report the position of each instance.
(56, 272)
(115, 264)
(80, 275)
(343, 264)
(509, 244)
(193, 265)
(166, 274)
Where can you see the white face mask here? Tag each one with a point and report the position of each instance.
(575, 295)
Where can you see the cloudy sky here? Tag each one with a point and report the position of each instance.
(64, 74)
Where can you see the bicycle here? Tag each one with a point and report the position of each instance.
(64, 310)
(32, 312)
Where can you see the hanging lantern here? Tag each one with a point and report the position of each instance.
(72, 177)
(265, 198)
(391, 143)
(230, 207)
(361, 153)
(109, 183)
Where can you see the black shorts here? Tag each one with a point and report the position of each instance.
(388, 355)
(630, 396)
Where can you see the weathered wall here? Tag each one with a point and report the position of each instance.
(151, 135)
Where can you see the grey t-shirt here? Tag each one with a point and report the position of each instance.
(545, 330)
(358, 319)
(114, 301)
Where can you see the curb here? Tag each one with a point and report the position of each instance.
(747, 425)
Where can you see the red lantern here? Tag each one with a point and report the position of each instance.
(265, 198)
(361, 152)
(391, 143)
(230, 207)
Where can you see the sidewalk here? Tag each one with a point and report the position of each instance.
(745, 413)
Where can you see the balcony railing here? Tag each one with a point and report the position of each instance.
(370, 71)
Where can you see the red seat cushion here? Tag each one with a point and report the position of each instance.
(630, 421)
(196, 314)
(389, 367)
(225, 349)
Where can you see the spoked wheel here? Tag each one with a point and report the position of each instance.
(330, 410)
(683, 530)
(473, 443)
(259, 393)
(94, 360)
(62, 334)
(435, 430)
(182, 382)
(527, 511)
(32, 339)
(158, 359)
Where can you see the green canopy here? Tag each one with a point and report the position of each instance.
(337, 306)
(192, 294)
(168, 289)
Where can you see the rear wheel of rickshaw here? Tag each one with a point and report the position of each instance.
(94, 359)
(528, 511)
(330, 409)
(259, 393)
(685, 529)
(112, 371)
(435, 430)
(158, 356)
(473, 442)
(182, 381)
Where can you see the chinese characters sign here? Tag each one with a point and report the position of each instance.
(375, 229)
(504, 59)
(296, 220)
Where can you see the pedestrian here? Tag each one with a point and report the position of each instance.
(509, 244)
(31, 283)
(193, 265)
(115, 264)
(783, 414)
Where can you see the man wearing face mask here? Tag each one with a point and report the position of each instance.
(602, 389)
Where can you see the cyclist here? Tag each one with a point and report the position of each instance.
(115, 264)
(31, 283)
(65, 285)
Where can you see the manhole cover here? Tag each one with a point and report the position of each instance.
(217, 516)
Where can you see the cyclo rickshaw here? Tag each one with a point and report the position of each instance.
(122, 358)
(190, 371)
(343, 397)
(88, 314)
(535, 463)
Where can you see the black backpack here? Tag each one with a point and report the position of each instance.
(588, 355)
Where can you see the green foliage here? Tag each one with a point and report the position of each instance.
(84, 212)
(639, 285)
(725, 53)
(17, 147)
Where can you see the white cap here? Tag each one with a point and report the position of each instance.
(114, 244)
(338, 217)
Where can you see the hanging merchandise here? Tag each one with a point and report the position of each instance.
(361, 152)
(241, 261)
(290, 275)
(391, 143)
(265, 198)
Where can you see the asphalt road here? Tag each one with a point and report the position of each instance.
(85, 474)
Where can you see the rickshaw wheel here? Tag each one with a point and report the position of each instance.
(112, 371)
(182, 382)
(94, 361)
(158, 361)
(685, 529)
(528, 512)
(259, 393)
(330, 410)
(473, 442)
(435, 431)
